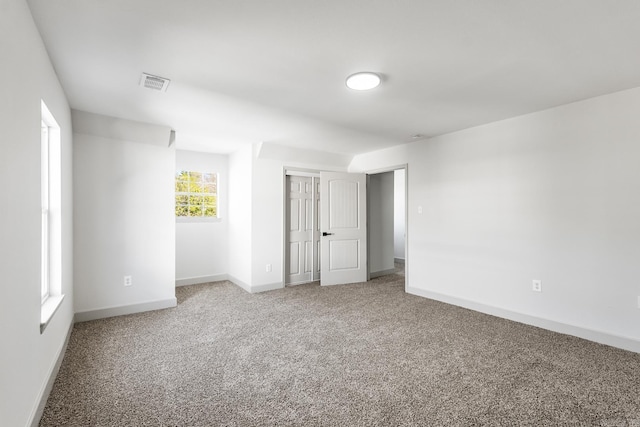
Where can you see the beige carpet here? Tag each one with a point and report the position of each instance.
(356, 355)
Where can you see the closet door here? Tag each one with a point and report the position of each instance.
(300, 230)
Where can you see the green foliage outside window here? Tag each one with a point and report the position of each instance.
(196, 194)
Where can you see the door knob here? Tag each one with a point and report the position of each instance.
(324, 233)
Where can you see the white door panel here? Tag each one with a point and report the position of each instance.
(299, 257)
(294, 258)
(344, 254)
(343, 223)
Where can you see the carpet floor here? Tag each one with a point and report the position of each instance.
(366, 354)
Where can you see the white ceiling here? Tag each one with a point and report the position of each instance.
(246, 71)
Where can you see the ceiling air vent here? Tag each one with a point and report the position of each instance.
(154, 82)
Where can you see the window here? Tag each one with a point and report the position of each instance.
(44, 201)
(51, 222)
(196, 194)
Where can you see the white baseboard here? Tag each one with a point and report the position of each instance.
(43, 396)
(601, 337)
(257, 288)
(202, 279)
(266, 287)
(102, 313)
(239, 283)
(400, 260)
(375, 274)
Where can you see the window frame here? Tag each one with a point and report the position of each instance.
(189, 194)
(51, 295)
(45, 240)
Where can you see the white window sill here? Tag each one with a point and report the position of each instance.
(195, 219)
(48, 309)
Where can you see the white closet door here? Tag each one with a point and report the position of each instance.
(299, 256)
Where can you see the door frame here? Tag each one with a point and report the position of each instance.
(404, 166)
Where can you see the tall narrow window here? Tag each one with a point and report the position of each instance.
(44, 193)
(51, 222)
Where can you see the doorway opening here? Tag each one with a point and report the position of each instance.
(387, 222)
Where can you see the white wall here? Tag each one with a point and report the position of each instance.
(381, 223)
(268, 222)
(240, 226)
(202, 246)
(552, 196)
(27, 358)
(124, 222)
(399, 212)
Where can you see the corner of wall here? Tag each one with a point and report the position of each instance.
(43, 396)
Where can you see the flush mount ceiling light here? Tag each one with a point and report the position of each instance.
(363, 81)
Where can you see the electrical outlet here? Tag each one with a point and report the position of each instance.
(268, 268)
(536, 285)
(128, 281)
(420, 209)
